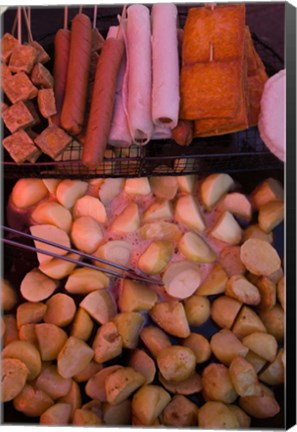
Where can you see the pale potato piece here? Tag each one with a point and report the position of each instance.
(244, 377)
(58, 268)
(164, 187)
(36, 286)
(116, 251)
(199, 345)
(52, 383)
(160, 230)
(8, 296)
(281, 292)
(195, 248)
(84, 417)
(214, 283)
(188, 213)
(90, 370)
(68, 192)
(73, 398)
(94, 406)
(90, 206)
(276, 276)
(117, 415)
(51, 339)
(274, 373)
(224, 311)
(262, 407)
(127, 221)
(86, 234)
(259, 257)
(110, 188)
(226, 346)
(160, 209)
(197, 309)
(52, 234)
(135, 296)
(61, 309)
(141, 362)
(254, 231)
(263, 344)
(243, 419)
(32, 402)
(217, 384)
(269, 190)
(156, 257)
(100, 306)
(137, 186)
(186, 387)
(51, 184)
(10, 329)
(180, 412)
(271, 215)
(256, 361)
(85, 280)
(82, 325)
(149, 402)
(52, 213)
(213, 187)
(27, 192)
(107, 343)
(120, 384)
(230, 260)
(242, 290)
(57, 415)
(181, 279)
(186, 183)
(267, 290)
(73, 357)
(14, 374)
(176, 363)
(227, 229)
(238, 204)
(154, 339)
(171, 317)
(27, 333)
(129, 325)
(217, 415)
(247, 322)
(95, 387)
(26, 353)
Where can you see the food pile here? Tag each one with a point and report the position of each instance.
(82, 348)
(204, 80)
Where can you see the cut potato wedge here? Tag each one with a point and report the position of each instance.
(141, 362)
(8, 296)
(120, 384)
(188, 213)
(156, 257)
(73, 357)
(90, 206)
(158, 210)
(160, 231)
(116, 251)
(254, 231)
(195, 248)
(135, 296)
(186, 387)
(263, 344)
(9, 325)
(197, 309)
(86, 234)
(68, 192)
(154, 339)
(26, 353)
(51, 184)
(261, 407)
(85, 280)
(171, 317)
(110, 189)
(100, 306)
(14, 374)
(27, 333)
(52, 383)
(227, 229)
(117, 415)
(256, 361)
(224, 311)
(217, 384)
(244, 377)
(27, 192)
(274, 374)
(180, 412)
(51, 339)
(137, 186)
(61, 309)
(213, 187)
(52, 213)
(238, 204)
(84, 417)
(164, 187)
(107, 343)
(90, 370)
(274, 321)
(57, 415)
(36, 286)
(149, 402)
(217, 415)
(127, 221)
(129, 325)
(181, 279)
(230, 260)
(271, 215)
(52, 234)
(82, 325)
(247, 322)
(58, 268)
(199, 345)
(226, 346)
(30, 313)
(176, 363)
(186, 183)
(214, 283)
(95, 387)
(32, 402)
(242, 290)
(269, 190)
(73, 398)
(259, 257)
(267, 290)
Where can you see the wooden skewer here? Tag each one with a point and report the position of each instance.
(20, 24)
(65, 17)
(30, 37)
(121, 19)
(14, 25)
(80, 9)
(95, 17)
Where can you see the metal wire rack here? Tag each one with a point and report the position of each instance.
(242, 151)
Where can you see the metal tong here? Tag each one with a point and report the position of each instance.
(126, 272)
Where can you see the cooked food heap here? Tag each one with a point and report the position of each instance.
(83, 348)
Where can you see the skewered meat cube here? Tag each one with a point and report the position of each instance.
(20, 146)
(42, 55)
(46, 102)
(34, 156)
(22, 58)
(41, 76)
(4, 106)
(19, 116)
(18, 87)
(5, 69)
(53, 141)
(8, 43)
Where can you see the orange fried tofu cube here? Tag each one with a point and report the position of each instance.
(46, 102)
(41, 76)
(18, 87)
(22, 58)
(42, 55)
(20, 146)
(8, 43)
(19, 115)
(53, 141)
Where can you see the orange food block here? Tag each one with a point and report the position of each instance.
(20, 146)
(22, 59)
(210, 90)
(41, 76)
(18, 87)
(42, 55)
(8, 43)
(53, 140)
(46, 102)
(20, 115)
(222, 26)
